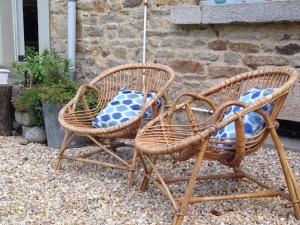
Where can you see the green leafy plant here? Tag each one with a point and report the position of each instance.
(55, 69)
(32, 65)
(44, 68)
(60, 93)
(46, 74)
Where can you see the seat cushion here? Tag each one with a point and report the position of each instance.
(124, 106)
(253, 122)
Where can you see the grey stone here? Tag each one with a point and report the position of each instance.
(216, 71)
(111, 17)
(135, 43)
(175, 42)
(120, 53)
(231, 58)
(34, 134)
(206, 55)
(186, 14)
(138, 14)
(267, 47)
(113, 63)
(261, 60)
(111, 26)
(131, 3)
(126, 33)
(59, 27)
(112, 35)
(139, 54)
(164, 54)
(289, 49)
(23, 118)
(230, 13)
(296, 61)
(93, 31)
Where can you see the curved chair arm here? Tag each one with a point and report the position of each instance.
(80, 93)
(219, 112)
(152, 103)
(175, 107)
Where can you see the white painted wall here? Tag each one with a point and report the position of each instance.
(44, 24)
(7, 46)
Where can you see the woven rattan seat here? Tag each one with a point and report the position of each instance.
(76, 117)
(169, 134)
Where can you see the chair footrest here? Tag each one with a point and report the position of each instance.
(259, 194)
(106, 164)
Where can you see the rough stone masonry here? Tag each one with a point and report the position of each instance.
(109, 33)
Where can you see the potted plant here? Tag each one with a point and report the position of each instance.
(55, 91)
(53, 98)
(26, 100)
(51, 89)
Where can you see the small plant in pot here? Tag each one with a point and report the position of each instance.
(57, 90)
(26, 99)
(51, 82)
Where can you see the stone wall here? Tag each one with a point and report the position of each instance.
(110, 33)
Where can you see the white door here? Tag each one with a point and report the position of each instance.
(12, 41)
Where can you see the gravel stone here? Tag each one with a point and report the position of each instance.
(23, 118)
(34, 134)
(32, 192)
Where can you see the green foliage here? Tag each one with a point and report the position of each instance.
(55, 69)
(45, 67)
(49, 77)
(60, 93)
(31, 99)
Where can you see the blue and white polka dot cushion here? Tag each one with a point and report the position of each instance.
(123, 107)
(253, 122)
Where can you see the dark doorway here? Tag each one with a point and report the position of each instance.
(31, 36)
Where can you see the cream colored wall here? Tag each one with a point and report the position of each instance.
(7, 51)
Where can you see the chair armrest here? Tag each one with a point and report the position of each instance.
(174, 106)
(83, 89)
(219, 112)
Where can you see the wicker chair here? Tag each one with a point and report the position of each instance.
(76, 117)
(163, 136)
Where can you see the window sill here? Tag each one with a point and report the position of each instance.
(254, 12)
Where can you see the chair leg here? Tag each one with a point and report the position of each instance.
(288, 174)
(148, 171)
(67, 139)
(133, 167)
(178, 220)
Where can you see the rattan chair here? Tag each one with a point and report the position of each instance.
(76, 117)
(164, 137)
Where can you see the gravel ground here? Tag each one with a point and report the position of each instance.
(32, 192)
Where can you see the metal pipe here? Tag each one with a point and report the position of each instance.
(72, 37)
(145, 30)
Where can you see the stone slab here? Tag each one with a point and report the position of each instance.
(248, 12)
(188, 14)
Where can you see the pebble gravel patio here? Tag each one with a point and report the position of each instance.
(32, 192)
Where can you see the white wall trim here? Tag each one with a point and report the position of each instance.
(43, 24)
(18, 28)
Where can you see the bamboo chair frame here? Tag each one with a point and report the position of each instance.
(194, 140)
(78, 122)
